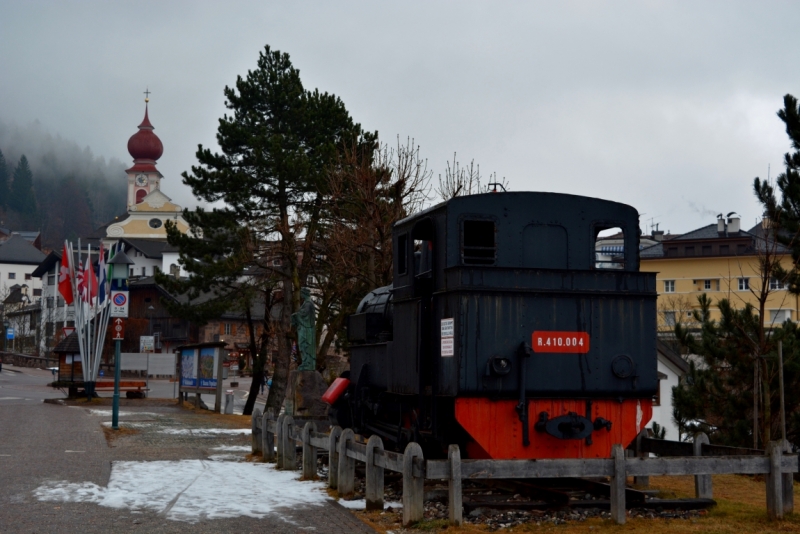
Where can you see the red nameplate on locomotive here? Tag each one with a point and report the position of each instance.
(552, 341)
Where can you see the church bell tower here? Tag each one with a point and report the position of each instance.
(145, 147)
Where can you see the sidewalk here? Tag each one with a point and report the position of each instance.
(168, 470)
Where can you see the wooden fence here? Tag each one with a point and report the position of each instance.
(277, 440)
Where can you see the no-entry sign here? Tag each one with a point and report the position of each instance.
(118, 329)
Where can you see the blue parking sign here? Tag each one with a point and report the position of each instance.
(10, 333)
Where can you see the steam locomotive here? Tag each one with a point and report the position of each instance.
(503, 332)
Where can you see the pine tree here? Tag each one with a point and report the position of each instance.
(270, 175)
(4, 191)
(784, 213)
(22, 198)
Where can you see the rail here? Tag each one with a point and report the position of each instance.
(277, 438)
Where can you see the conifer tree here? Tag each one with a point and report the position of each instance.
(269, 175)
(22, 198)
(4, 190)
(784, 213)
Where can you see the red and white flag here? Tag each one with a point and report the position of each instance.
(89, 281)
(64, 279)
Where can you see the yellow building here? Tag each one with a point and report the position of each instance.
(721, 260)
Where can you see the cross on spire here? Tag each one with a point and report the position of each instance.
(147, 95)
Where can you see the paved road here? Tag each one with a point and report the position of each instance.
(41, 443)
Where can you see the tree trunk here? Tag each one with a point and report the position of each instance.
(280, 377)
(767, 411)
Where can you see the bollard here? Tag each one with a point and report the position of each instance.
(454, 505)
(279, 440)
(267, 437)
(641, 481)
(309, 453)
(255, 431)
(347, 466)
(618, 485)
(374, 489)
(289, 445)
(229, 402)
(333, 457)
(413, 487)
(702, 483)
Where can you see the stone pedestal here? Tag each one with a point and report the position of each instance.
(303, 395)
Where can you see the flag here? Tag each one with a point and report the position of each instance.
(80, 284)
(90, 281)
(64, 279)
(102, 289)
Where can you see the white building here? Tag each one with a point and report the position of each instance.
(671, 367)
(18, 259)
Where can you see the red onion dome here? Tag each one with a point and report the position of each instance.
(144, 146)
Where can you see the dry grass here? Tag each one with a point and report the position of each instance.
(112, 434)
(741, 509)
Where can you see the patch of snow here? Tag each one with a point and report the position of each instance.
(129, 424)
(200, 431)
(361, 504)
(232, 448)
(189, 490)
(226, 458)
(110, 413)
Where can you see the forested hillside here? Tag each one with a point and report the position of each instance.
(51, 184)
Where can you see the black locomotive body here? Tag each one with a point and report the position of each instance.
(503, 333)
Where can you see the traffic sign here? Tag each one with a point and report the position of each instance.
(10, 333)
(118, 329)
(67, 330)
(119, 304)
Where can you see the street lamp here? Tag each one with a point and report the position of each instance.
(119, 280)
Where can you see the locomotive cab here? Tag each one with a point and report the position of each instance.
(505, 333)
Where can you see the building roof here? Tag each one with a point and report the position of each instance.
(671, 356)
(68, 345)
(756, 235)
(151, 248)
(16, 249)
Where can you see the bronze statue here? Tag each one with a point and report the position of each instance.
(304, 320)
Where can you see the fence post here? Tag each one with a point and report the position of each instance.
(413, 487)
(279, 440)
(454, 506)
(774, 481)
(289, 445)
(374, 490)
(703, 488)
(618, 485)
(309, 453)
(255, 430)
(333, 457)
(642, 481)
(347, 466)
(267, 437)
(788, 485)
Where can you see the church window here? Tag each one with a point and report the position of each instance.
(155, 223)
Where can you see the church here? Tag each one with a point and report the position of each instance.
(148, 208)
(142, 227)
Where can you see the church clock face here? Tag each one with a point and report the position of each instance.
(141, 180)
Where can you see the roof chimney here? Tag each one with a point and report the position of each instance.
(733, 225)
(658, 235)
(721, 226)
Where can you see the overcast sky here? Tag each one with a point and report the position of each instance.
(667, 106)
